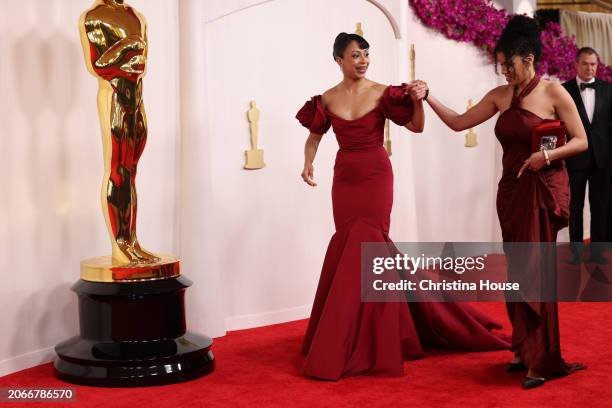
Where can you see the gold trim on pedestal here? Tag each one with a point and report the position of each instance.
(102, 269)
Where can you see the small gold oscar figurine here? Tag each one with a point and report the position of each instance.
(388, 138)
(470, 137)
(254, 157)
(114, 40)
(412, 62)
(358, 29)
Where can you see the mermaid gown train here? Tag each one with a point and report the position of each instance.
(346, 336)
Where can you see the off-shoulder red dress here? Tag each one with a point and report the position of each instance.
(346, 336)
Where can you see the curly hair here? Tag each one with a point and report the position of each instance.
(520, 37)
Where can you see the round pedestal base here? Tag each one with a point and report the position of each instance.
(135, 364)
(133, 335)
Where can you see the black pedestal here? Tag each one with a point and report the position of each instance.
(133, 335)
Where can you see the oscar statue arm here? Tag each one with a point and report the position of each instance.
(117, 52)
(107, 55)
(145, 36)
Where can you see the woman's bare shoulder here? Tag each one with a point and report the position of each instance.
(557, 94)
(500, 94)
(377, 88)
(329, 95)
(501, 91)
(552, 87)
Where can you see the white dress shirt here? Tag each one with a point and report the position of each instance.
(588, 97)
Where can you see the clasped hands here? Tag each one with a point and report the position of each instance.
(418, 90)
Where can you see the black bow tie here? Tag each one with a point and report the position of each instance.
(584, 86)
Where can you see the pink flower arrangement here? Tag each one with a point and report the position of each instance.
(558, 53)
(480, 23)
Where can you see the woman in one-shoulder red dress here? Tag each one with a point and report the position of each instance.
(533, 193)
(346, 336)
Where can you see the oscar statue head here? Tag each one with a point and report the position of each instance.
(115, 3)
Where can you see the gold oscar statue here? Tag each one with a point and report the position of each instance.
(114, 40)
(132, 323)
(471, 136)
(358, 29)
(254, 158)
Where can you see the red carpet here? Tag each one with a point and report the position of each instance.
(260, 367)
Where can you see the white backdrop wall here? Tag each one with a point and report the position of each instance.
(252, 241)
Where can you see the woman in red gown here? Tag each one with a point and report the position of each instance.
(533, 195)
(346, 336)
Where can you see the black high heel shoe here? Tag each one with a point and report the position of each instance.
(530, 382)
(515, 367)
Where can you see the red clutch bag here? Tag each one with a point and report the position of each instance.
(548, 135)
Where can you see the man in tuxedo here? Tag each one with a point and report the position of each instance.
(593, 99)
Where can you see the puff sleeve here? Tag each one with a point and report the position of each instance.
(312, 116)
(396, 105)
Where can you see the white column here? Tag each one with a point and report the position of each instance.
(196, 220)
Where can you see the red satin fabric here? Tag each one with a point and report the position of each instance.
(345, 336)
(532, 208)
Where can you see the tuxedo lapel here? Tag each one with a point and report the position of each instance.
(574, 91)
(599, 102)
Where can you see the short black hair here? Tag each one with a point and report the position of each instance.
(343, 40)
(520, 37)
(586, 50)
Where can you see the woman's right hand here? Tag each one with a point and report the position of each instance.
(418, 90)
(308, 175)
